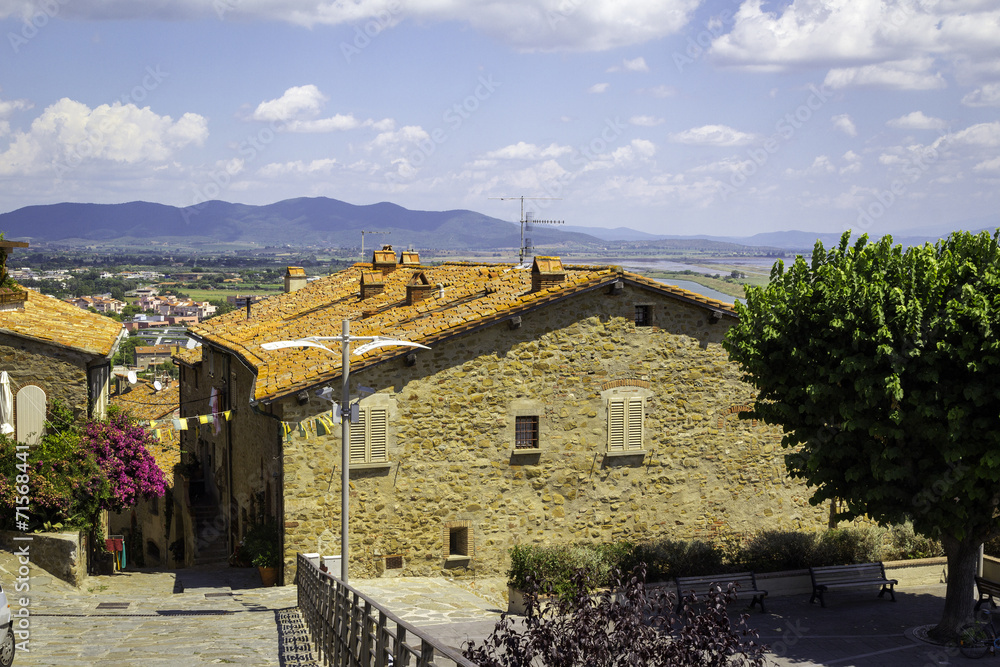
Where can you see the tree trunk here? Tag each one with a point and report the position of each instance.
(963, 558)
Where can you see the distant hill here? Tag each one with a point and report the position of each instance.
(323, 222)
(296, 222)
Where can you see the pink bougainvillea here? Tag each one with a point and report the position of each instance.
(121, 448)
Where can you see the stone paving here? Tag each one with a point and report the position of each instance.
(208, 616)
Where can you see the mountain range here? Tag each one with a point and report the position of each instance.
(324, 222)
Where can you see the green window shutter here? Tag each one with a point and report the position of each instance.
(378, 434)
(616, 425)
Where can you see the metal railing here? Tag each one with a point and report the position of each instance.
(350, 630)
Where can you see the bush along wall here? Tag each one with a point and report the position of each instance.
(766, 551)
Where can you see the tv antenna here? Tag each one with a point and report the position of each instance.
(363, 232)
(528, 223)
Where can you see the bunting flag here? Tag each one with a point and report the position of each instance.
(184, 423)
(324, 424)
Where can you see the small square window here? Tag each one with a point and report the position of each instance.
(526, 432)
(458, 541)
(643, 316)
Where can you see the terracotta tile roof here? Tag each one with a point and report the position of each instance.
(189, 356)
(464, 297)
(51, 320)
(144, 403)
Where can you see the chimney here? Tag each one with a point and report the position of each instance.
(371, 284)
(409, 258)
(295, 278)
(418, 289)
(546, 272)
(384, 260)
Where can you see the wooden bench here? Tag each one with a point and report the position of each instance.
(849, 576)
(987, 589)
(746, 585)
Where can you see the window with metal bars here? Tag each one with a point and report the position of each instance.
(369, 436)
(643, 316)
(526, 432)
(625, 423)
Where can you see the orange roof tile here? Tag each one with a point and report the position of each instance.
(50, 320)
(470, 295)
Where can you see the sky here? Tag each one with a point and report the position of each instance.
(666, 116)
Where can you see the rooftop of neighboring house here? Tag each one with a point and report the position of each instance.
(50, 320)
(450, 299)
(154, 349)
(142, 402)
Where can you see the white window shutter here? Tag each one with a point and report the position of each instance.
(616, 425)
(377, 434)
(358, 428)
(635, 423)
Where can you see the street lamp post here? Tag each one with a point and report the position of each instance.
(345, 339)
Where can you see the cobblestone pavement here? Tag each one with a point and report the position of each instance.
(152, 618)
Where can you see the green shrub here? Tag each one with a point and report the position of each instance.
(775, 550)
(556, 565)
(262, 545)
(667, 558)
(766, 551)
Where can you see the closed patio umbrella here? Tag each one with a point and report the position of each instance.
(6, 405)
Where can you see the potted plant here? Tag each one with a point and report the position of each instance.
(262, 547)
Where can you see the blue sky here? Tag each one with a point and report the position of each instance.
(667, 116)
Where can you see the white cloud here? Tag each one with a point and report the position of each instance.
(298, 107)
(659, 92)
(527, 25)
(916, 120)
(332, 124)
(68, 134)
(988, 165)
(404, 135)
(844, 123)
(6, 109)
(296, 102)
(713, 135)
(820, 166)
(598, 88)
(985, 135)
(525, 151)
(896, 44)
(636, 65)
(984, 96)
(910, 74)
(645, 121)
(298, 167)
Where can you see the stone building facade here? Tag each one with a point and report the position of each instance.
(54, 350)
(557, 405)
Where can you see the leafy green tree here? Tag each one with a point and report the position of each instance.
(880, 366)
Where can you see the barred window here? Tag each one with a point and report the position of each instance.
(526, 432)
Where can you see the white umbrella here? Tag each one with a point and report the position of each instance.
(6, 404)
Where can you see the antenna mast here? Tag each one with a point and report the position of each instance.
(363, 232)
(526, 224)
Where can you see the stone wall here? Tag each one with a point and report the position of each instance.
(59, 554)
(451, 416)
(61, 373)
